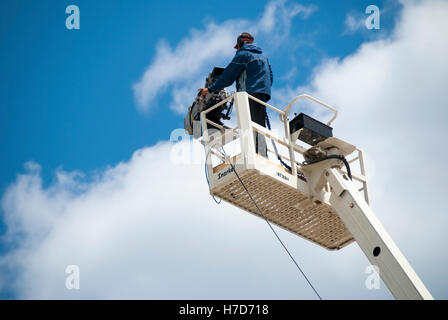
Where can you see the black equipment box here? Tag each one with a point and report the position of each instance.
(313, 131)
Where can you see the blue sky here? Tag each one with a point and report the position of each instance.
(67, 100)
(66, 94)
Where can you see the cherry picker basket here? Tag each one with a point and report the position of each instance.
(283, 195)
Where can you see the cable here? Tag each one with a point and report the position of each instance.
(332, 156)
(284, 164)
(207, 175)
(268, 123)
(223, 153)
(335, 156)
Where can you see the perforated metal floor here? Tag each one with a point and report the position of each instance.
(286, 207)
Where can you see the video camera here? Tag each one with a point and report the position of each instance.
(192, 119)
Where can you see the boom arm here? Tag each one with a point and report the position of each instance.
(320, 204)
(375, 242)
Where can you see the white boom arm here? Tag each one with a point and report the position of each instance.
(325, 208)
(373, 239)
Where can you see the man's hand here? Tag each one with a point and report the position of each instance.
(203, 91)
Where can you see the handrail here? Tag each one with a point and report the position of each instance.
(217, 105)
(214, 124)
(288, 107)
(266, 104)
(286, 141)
(204, 119)
(282, 156)
(271, 135)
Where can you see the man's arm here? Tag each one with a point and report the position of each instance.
(272, 75)
(230, 73)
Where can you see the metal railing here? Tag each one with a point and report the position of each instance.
(286, 141)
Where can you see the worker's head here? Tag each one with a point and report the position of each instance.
(243, 38)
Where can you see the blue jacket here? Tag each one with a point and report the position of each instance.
(250, 69)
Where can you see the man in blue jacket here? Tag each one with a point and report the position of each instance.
(252, 72)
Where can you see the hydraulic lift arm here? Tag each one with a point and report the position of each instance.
(371, 236)
(314, 199)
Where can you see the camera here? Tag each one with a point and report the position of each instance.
(192, 119)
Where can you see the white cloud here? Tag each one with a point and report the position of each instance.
(148, 229)
(189, 62)
(183, 96)
(391, 96)
(278, 12)
(184, 63)
(354, 22)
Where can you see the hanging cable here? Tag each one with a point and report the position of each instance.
(268, 123)
(207, 175)
(335, 156)
(223, 153)
(283, 163)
